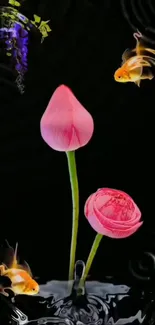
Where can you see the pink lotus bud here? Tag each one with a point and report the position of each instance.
(66, 125)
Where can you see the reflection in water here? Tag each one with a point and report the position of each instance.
(97, 304)
(14, 43)
(103, 304)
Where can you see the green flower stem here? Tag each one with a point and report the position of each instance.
(75, 203)
(91, 256)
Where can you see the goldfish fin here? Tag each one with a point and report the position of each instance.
(134, 61)
(147, 75)
(145, 63)
(138, 82)
(11, 256)
(25, 266)
(152, 61)
(126, 55)
(151, 76)
(139, 63)
(136, 73)
(5, 266)
(137, 60)
(138, 37)
(15, 261)
(139, 48)
(150, 50)
(2, 269)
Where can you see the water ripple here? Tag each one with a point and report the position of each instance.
(63, 303)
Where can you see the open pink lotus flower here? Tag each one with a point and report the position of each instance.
(113, 213)
(66, 125)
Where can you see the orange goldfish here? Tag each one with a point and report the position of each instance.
(132, 68)
(20, 276)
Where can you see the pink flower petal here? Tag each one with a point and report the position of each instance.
(110, 232)
(103, 197)
(110, 221)
(89, 205)
(112, 213)
(66, 125)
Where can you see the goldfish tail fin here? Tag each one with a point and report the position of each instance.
(15, 261)
(150, 50)
(137, 35)
(152, 61)
(11, 256)
(150, 75)
(147, 75)
(16, 248)
(7, 243)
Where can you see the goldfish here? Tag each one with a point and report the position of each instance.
(132, 68)
(20, 276)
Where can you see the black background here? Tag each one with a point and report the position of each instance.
(83, 51)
